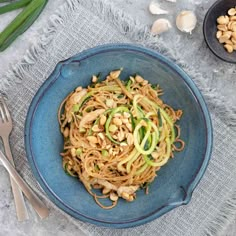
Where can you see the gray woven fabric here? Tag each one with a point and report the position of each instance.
(77, 26)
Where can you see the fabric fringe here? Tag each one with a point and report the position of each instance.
(224, 218)
(139, 33)
(19, 71)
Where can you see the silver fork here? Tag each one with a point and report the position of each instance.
(5, 130)
(35, 201)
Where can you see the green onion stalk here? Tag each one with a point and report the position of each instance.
(22, 21)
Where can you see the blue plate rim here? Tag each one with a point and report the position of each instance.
(49, 82)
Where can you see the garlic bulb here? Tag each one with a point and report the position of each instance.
(155, 9)
(160, 26)
(186, 21)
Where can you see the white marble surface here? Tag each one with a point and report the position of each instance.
(56, 224)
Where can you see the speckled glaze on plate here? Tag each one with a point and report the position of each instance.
(219, 8)
(175, 182)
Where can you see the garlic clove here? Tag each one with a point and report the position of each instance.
(171, 0)
(160, 26)
(155, 9)
(186, 21)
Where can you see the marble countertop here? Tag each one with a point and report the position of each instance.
(55, 224)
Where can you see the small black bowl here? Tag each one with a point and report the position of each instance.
(219, 8)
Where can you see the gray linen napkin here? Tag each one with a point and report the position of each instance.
(79, 25)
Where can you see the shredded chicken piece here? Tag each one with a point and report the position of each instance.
(91, 116)
(78, 95)
(106, 184)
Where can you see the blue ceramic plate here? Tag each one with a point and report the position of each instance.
(175, 182)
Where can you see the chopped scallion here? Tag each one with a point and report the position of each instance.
(75, 107)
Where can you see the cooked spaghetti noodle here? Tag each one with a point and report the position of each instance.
(117, 135)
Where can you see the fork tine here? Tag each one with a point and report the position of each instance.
(8, 116)
(2, 115)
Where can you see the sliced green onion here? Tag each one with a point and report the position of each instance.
(65, 166)
(105, 153)
(82, 130)
(128, 84)
(145, 185)
(113, 128)
(120, 96)
(99, 76)
(141, 133)
(154, 86)
(68, 172)
(132, 121)
(78, 152)
(84, 99)
(159, 118)
(96, 167)
(75, 107)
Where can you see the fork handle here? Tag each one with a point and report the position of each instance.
(21, 209)
(37, 204)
